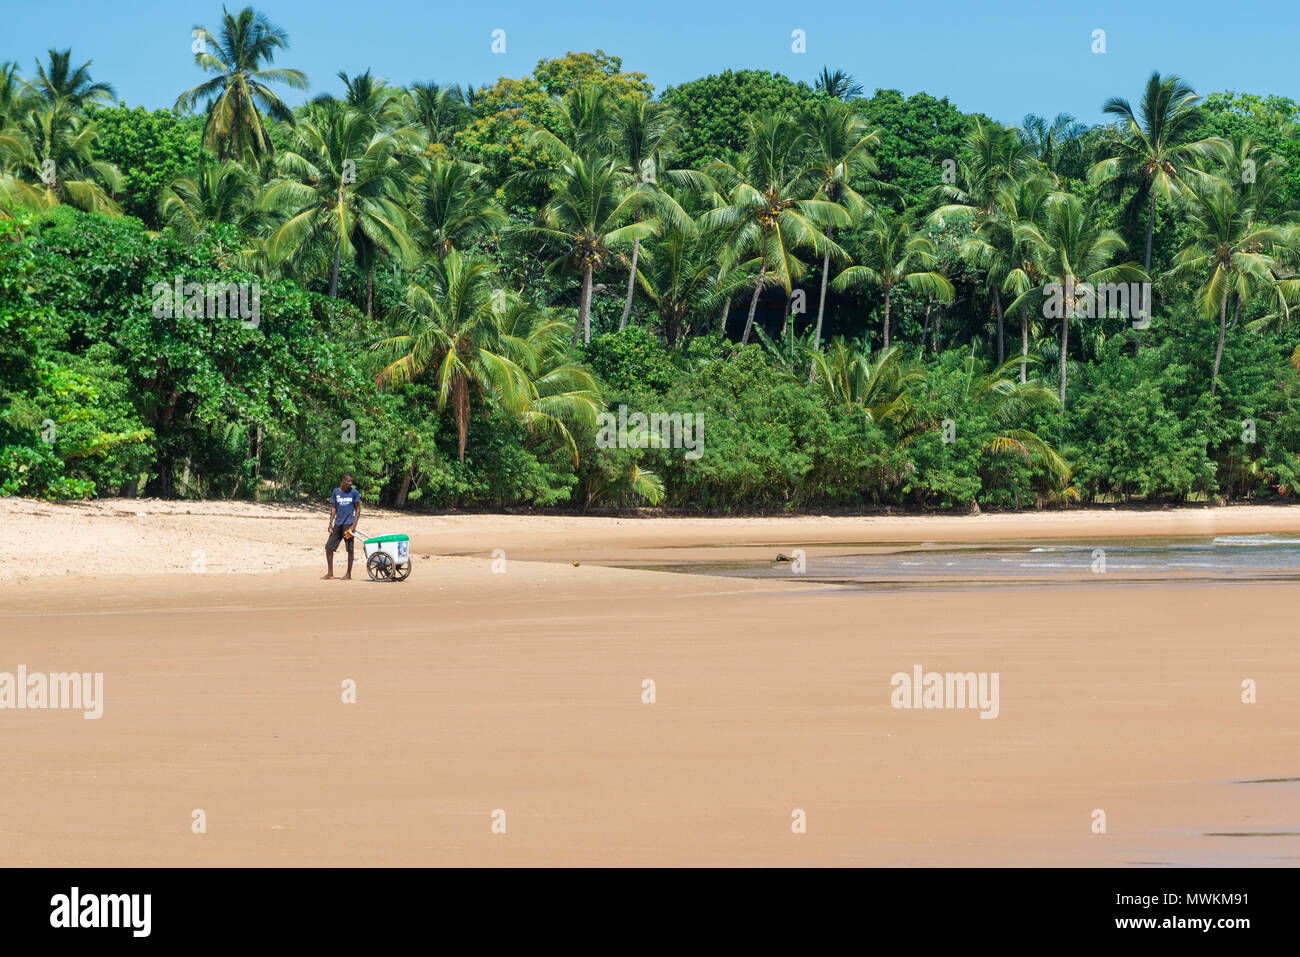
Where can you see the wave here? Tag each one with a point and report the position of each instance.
(1244, 541)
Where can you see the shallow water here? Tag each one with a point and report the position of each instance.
(1228, 558)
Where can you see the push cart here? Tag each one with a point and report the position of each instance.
(388, 557)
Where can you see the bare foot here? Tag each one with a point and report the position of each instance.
(346, 578)
(326, 577)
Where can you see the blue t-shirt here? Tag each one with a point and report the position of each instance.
(346, 503)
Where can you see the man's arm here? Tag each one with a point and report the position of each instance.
(334, 510)
(356, 513)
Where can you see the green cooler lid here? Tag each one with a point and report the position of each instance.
(387, 538)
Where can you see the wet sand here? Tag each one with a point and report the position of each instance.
(521, 691)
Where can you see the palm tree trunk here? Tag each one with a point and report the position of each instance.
(753, 305)
(821, 302)
(676, 328)
(586, 306)
(334, 277)
(584, 303)
(887, 291)
(1151, 229)
(460, 411)
(722, 316)
(1146, 262)
(370, 292)
(1065, 342)
(1218, 352)
(785, 314)
(817, 336)
(1024, 343)
(631, 284)
(997, 305)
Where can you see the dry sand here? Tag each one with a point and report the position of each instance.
(521, 691)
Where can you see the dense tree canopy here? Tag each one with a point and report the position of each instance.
(868, 299)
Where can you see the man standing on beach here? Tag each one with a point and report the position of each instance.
(345, 509)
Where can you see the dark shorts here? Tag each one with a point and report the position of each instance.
(336, 536)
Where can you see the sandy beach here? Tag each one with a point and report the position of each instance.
(515, 683)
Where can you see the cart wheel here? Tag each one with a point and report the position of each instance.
(380, 567)
(402, 572)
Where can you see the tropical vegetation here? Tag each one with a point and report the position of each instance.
(452, 285)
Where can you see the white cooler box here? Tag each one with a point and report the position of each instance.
(388, 557)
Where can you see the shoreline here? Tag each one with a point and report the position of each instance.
(122, 536)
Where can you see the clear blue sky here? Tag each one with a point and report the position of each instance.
(1004, 58)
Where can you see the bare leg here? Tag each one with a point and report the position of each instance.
(329, 565)
(348, 576)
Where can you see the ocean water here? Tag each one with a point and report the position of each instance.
(1264, 557)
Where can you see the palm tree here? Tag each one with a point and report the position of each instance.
(838, 85)
(50, 158)
(235, 127)
(643, 135)
(1006, 403)
(452, 328)
(683, 282)
(16, 99)
(1232, 248)
(766, 205)
(1000, 248)
(61, 87)
(371, 97)
(996, 157)
(582, 124)
(215, 191)
(1246, 164)
(452, 209)
(590, 213)
(561, 393)
(1056, 144)
(883, 386)
(840, 145)
(589, 125)
(14, 192)
(624, 480)
(16, 102)
(1071, 250)
(892, 253)
(341, 188)
(705, 192)
(1151, 152)
(436, 111)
